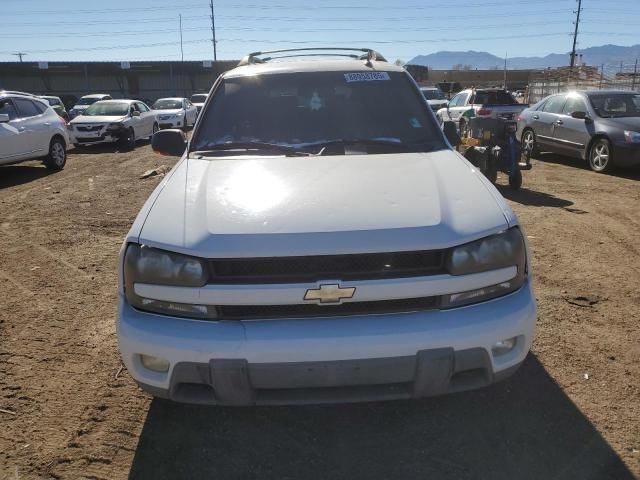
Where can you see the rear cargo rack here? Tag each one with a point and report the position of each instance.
(364, 54)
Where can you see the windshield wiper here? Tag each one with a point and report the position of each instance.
(362, 141)
(248, 146)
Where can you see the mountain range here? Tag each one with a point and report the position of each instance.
(605, 54)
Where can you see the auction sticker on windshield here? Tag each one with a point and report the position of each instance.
(366, 76)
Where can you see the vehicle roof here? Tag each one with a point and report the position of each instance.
(298, 66)
(599, 92)
(171, 98)
(21, 94)
(119, 100)
(429, 88)
(96, 95)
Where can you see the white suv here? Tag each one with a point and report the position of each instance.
(111, 121)
(320, 241)
(30, 128)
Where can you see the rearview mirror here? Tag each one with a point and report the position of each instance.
(579, 115)
(170, 142)
(451, 132)
(4, 118)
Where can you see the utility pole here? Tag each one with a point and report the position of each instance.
(19, 55)
(213, 32)
(505, 71)
(601, 76)
(635, 74)
(575, 37)
(181, 57)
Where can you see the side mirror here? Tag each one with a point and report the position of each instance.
(170, 142)
(4, 118)
(580, 115)
(451, 133)
(135, 113)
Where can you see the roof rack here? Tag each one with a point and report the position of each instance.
(365, 54)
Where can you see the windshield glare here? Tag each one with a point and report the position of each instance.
(198, 98)
(167, 104)
(107, 109)
(303, 109)
(432, 94)
(616, 105)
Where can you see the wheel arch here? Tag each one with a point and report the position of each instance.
(594, 138)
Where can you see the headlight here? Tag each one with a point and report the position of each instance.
(631, 137)
(151, 266)
(115, 126)
(497, 251)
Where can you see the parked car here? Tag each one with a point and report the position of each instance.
(434, 97)
(481, 102)
(111, 121)
(30, 129)
(57, 105)
(198, 100)
(599, 126)
(85, 102)
(175, 112)
(319, 240)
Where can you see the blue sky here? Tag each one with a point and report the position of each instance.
(400, 29)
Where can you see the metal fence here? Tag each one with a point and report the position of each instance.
(622, 77)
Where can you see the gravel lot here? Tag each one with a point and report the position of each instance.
(70, 411)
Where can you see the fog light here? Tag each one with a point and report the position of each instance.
(157, 364)
(504, 346)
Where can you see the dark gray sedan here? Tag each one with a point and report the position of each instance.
(602, 127)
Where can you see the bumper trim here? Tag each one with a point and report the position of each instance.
(235, 382)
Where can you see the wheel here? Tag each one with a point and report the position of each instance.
(154, 130)
(57, 157)
(529, 142)
(515, 180)
(128, 140)
(601, 156)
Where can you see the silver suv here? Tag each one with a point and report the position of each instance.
(30, 128)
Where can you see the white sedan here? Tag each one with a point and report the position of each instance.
(175, 112)
(114, 121)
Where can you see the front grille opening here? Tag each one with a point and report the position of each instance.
(358, 393)
(247, 312)
(369, 266)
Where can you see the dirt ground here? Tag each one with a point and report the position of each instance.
(68, 409)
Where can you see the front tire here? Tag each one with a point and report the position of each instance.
(601, 156)
(57, 156)
(128, 140)
(154, 130)
(529, 142)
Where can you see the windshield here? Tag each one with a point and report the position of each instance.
(167, 104)
(107, 109)
(494, 97)
(87, 101)
(315, 108)
(432, 94)
(199, 98)
(614, 105)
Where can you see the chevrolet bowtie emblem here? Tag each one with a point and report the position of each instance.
(331, 293)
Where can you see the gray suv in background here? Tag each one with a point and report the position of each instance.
(602, 127)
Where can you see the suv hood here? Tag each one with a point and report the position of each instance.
(97, 119)
(271, 206)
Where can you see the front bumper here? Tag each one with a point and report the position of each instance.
(316, 360)
(626, 155)
(171, 122)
